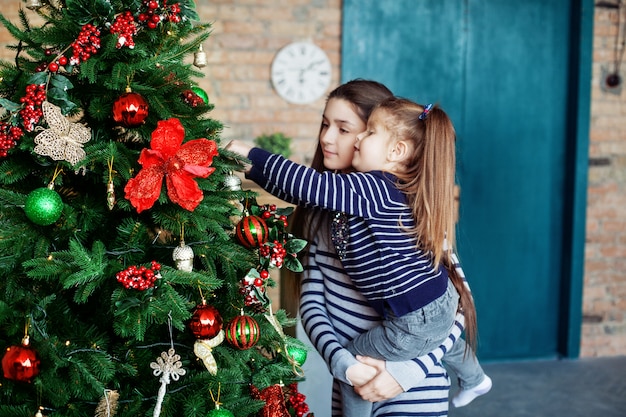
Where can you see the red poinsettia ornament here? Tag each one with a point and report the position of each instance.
(179, 163)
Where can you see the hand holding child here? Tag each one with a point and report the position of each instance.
(360, 373)
(382, 386)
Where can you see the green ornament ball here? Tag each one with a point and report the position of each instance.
(201, 93)
(298, 354)
(43, 206)
(220, 412)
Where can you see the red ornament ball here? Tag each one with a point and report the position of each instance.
(130, 110)
(206, 322)
(243, 332)
(20, 363)
(252, 231)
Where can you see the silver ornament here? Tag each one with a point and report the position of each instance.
(232, 182)
(183, 257)
(199, 58)
(34, 4)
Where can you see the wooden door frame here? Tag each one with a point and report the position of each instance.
(577, 157)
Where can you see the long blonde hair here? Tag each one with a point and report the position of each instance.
(428, 180)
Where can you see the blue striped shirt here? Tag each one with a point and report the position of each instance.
(333, 312)
(382, 260)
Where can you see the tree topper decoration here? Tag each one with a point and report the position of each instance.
(63, 140)
(179, 163)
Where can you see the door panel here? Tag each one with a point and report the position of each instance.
(500, 69)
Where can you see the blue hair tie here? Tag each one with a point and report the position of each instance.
(427, 109)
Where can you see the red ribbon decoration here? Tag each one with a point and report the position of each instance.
(179, 164)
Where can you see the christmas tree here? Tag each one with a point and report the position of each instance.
(134, 267)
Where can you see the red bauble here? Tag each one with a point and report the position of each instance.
(252, 231)
(20, 363)
(243, 332)
(206, 322)
(130, 109)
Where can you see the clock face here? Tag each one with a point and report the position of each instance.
(301, 72)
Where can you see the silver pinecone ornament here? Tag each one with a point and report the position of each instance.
(183, 257)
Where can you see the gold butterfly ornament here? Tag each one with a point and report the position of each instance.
(63, 140)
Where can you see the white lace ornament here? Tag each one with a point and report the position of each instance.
(167, 366)
(63, 140)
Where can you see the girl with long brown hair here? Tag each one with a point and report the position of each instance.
(401, 277)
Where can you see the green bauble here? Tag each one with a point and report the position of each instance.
(298, 354)
(43, 206)
(201, 93)
(220, 412)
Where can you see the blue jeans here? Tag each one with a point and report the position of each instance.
(402, 339)
(412, 335)
(464, 365)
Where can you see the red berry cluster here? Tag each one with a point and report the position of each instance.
(126, 28)
(87, 44)
(31, 112)
(251, 285)
(140, 278)
(60, 61)
(155, 13)
(192, 98)
(269, 211)
(296, 401)
(9, 135)
(55, 65)
(275, 252)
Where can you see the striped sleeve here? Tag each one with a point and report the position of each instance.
(333, 312)
(352, 194)
(316, 321)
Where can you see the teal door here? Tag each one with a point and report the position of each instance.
(508, 74)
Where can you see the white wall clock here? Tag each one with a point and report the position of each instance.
(301, 72)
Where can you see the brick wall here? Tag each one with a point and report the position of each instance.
(604, 299)
(246, 36)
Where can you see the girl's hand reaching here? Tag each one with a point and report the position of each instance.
(239, 147)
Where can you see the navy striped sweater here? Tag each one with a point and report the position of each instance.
(381, 258)
(333, 312)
